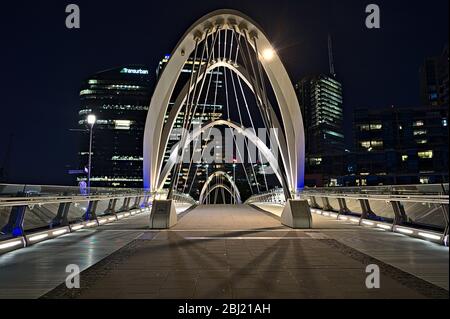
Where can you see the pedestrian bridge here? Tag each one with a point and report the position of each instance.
(383, 242)
(214, 251)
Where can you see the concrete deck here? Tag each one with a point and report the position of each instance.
(227, 252)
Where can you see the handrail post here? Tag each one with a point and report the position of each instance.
(14, 227)
(399, 213)
(111, 206)
(61, 217)
(446, 217)
(365, 207)
(126, 205)
(91, 212)
(326, 204)
(343, 209)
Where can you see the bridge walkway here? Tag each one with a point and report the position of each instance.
(227, 252)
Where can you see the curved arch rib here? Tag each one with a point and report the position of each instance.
(181, 99)
(225, 187)
(252, 137)
(230, 180)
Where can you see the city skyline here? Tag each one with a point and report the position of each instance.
(276, 151)
(366, 61)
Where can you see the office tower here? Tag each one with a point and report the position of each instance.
(402, 145)
(119, 98)
(321, 101)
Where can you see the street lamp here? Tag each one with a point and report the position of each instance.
(234, 180)
(91, 119)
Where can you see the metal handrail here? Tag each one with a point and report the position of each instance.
(368, 193)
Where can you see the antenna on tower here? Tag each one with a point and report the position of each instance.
(330, 55)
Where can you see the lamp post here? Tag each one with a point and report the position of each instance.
(207, 176)
(234, 180)
(91, 119)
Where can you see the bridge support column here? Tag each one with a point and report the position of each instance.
(297, 214)
(163, 215)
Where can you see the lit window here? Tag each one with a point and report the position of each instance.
(404, 158)
(420, 132)
(425, 154)
(365, 127)
(377, 143)
(127, 158)
(444, 122)
(316, 161)
(371, 127)
(122, 124)
(421, 141)
(365, 144)
(424, 180)
(374, 127)
(418, 123)
(87, 92)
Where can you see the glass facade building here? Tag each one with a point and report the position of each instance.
(402, 145)
(120, 99)
(321, 102)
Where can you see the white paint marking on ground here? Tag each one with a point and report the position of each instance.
(248, 238)
(231, 230)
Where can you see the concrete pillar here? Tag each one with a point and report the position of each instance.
(297, 214)
(163, 214)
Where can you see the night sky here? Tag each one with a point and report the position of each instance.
(43, 63)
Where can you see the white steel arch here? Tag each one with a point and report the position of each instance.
(181, 99)
(252, 138)
(225, 187)
(229, 179)
(274, 69)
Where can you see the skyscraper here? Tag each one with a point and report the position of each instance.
(120, 99)
(321, 101)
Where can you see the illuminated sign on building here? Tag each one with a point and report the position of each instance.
(134, 71)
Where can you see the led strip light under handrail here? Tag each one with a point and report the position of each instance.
(412, 232)
(34, 238)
